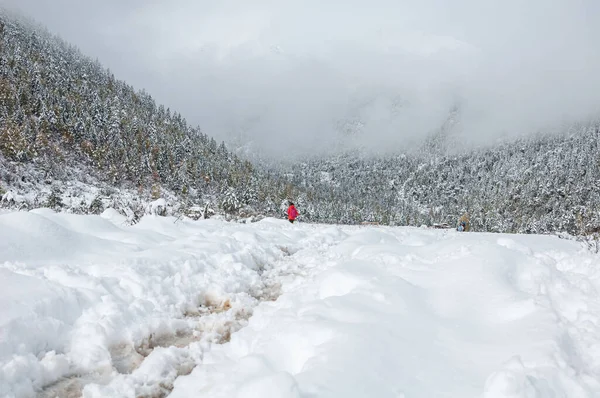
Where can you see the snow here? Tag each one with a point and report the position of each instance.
(172, 306)
(11, 197)
(157, 207)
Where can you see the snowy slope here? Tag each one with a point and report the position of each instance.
(215, 309)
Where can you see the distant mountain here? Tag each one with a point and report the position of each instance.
(538, 184)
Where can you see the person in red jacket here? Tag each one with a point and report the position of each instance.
(292, 213)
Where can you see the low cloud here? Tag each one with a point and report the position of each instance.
(308, 77)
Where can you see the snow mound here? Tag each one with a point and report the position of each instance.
(37, 238)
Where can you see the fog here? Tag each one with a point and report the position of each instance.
(298, 77)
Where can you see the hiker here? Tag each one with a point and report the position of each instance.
(464, 224)
(292, 213)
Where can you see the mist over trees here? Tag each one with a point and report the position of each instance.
(65, 118)
(539, 184)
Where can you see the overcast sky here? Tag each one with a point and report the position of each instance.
(291, 75)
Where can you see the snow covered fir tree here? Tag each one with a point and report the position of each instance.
(75, 138)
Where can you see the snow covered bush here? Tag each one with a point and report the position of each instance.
(55, 200)
(157, 207)
(230, 203)
(96, 207)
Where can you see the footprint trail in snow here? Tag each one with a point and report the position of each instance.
(218, 309)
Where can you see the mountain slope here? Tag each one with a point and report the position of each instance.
(66, 119)
(538, 184)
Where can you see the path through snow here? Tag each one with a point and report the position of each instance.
(123, 311)
(402, 312)
(219, 309)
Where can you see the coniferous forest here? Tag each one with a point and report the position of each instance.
(75, 138)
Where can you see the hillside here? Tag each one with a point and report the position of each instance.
(538, 184)
(73, 136)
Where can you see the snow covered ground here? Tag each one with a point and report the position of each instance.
(91, 306)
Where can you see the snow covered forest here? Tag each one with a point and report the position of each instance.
(66, 120)
(539, 184)
(74, 137)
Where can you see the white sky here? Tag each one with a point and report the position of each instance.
(285, 73)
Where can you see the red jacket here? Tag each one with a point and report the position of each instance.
(292, 212)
